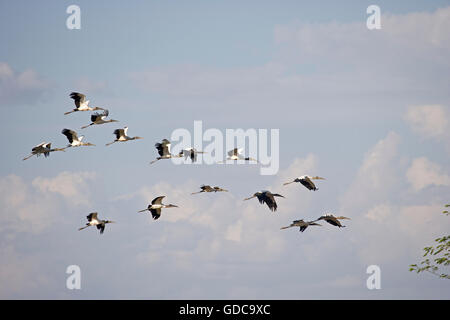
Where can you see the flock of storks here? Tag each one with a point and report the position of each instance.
(163, 148)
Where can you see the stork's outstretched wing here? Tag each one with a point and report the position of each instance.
(92, 216)
(156, 213)
(119, 133)
(235, 152)
(158, 200)
(78, 98)
(70, 134)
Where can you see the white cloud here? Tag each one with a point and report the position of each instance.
(423, 173)
(376, 178)
(23, 209)
(234, 232)
(196, 81)
(31, 212)
(379, 213)
(390, 233)
(351, 59)
(386, 225)
(72, 186)
(5, 71)
(420, 29)
(34, 206)
(413, 34)
(320, 65)
(16, 88)
(18, 273)
(298, 167)
(229, 229)
(348, 281)
(430, 121)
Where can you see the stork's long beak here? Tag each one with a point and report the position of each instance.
(285, 227)
(154, 161)
(172, 206)
(248, 198)
(288, 183)
(28, 157)
(143, 210)
(318, 178)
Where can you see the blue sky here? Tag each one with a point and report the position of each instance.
(368, 110)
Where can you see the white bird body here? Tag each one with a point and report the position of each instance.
(163, 150)
(307, 181)
(331, 219)
(99, 118)
(302, 224)
(84, 106)
(125, 136)
(207, 188)
(121, 136)
(266, 197)
(236, 154)
(74, 139)
(189, 153)
(43, 148)
(94, 221)
(81, 104)
(156, 206)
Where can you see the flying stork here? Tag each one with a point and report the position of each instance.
(156, 206)
(206, 188)
(302, 224)
(121, 136)
(99, 118)
(163, 150)
(266, 197)
(189, 153)
(74, 140)
(333, 220)
(45, 148)
(236, 154)
(306, 181)
(94, 221)
(81, 103)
